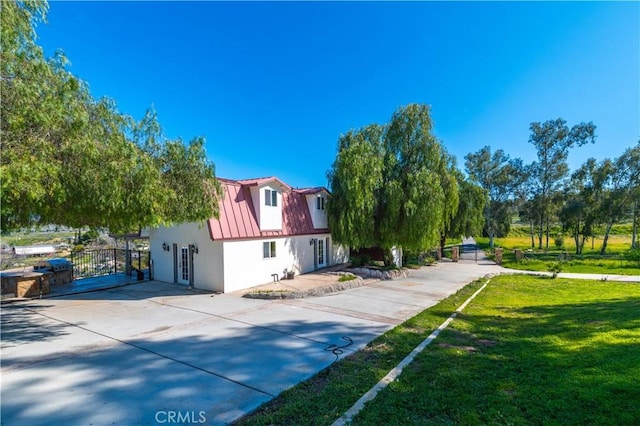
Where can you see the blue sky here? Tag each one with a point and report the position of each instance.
(271, 86)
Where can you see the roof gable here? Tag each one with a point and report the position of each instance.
(238, 219)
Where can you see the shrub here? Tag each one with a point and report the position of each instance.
(633, 256)
(428, 260)
(559, 241)
(344, 278)
(555, 268)
(361, 260)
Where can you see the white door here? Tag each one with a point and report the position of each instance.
(183, 264)
(322, 258)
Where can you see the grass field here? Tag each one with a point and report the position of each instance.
(590, 261)
(31, 238)
(527, 350)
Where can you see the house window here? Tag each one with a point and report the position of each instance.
(270, 197)
(320, 203)
(269, 249)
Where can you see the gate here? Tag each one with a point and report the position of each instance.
(97, 262)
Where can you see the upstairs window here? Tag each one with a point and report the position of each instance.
(320, 203)
(268, 249)
(270, 197)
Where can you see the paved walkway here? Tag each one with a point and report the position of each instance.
(133, 354)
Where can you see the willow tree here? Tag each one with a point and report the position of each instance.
(356, 183)
(70, 159)
(468, 219)
(451, 188)
(386, 185)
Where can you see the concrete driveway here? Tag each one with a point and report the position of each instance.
(158, 353)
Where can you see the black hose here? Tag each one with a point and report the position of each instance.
(338, 350)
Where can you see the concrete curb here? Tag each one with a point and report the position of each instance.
(397, 370)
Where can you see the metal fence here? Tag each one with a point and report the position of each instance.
(96, 262)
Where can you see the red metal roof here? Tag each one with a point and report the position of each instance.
(310, 191)
(238, 218)
(263, 180)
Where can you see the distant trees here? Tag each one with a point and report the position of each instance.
(602, 194)
(72, 160)
(553, 139)
(469, 217)
(499, 176)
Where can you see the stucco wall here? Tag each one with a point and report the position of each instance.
(228, 266)
(207, 263)
(269, 217)
(318, 217)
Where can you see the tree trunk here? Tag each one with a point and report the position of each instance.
(606, 238)
(576, 238)
(540, 233)
(532, 233)
(491, 240)
(547, 234)
(443, 240)
(634, 228)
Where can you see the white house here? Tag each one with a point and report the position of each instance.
(265, 229)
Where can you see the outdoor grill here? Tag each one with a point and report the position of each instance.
(61, 270)
(53, 265)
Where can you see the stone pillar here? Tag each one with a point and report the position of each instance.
(499, 256)
(455, 253)
(518, 254)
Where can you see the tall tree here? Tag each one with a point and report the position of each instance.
(498, 175)
(354, 209)
(386, 184)
(449, 181)
(70, 159)
(469, 217)
(553, 139)
(619, 200)
(579, 210)
(628, 165)
(527, 203)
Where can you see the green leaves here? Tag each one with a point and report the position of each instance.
(386, 184)
(70, 159)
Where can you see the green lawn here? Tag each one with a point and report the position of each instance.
(590, 262)
(527, 350)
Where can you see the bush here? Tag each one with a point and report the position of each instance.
(344, 278)
(555, 268)
(559, 241)
(633, 256)
(361, 260)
